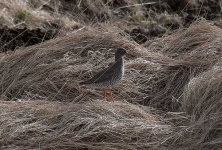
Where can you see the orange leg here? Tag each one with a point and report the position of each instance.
(104, 94)
(111, 95)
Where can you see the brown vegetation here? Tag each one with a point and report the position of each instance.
(52, 70)
(170, 97)
(191, 52)
(202, 101)
(92, 125)
(184, 79)
(142, 20)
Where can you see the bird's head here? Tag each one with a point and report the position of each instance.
(120, 52)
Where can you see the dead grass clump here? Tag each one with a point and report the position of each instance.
(200, 41)
(201, 100)
(19, 14)
(192, 51)
(202, 95)
(91, 125)
(166, 85)
(53, 69)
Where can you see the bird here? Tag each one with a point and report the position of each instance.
(109, 76)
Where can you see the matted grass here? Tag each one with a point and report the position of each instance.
(179, 73)
(91, 125)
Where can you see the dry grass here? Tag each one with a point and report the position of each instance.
(189, 52)
(19, 14)
(179, 73)
(53, 69)
(45, 70)
(91, 125)
(55, 14)
(201, 100)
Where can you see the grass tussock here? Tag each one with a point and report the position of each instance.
(48, 14)
(53, 69)
(20, 14)
(201, 100)
(189, 53)
(91, 125)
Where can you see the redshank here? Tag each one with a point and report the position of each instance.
(109, 76)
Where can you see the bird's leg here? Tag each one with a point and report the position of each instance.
(111, 95)
(104, 94)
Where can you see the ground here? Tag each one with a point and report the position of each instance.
(170, 97)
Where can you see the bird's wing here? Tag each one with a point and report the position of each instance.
(102, 76)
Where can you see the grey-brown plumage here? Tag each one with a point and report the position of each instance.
(107, 77)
